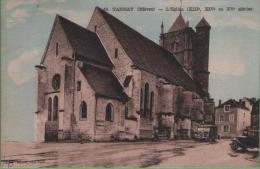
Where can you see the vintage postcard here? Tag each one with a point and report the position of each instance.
(140, 83)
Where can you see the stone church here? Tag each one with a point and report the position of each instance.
(107, 81)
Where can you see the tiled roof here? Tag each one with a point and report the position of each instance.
(84, 42)
(103, 82)
(148, 55)
(178, 24)
(233, 104)
(203, 23)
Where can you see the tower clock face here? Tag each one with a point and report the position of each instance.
(56, 82)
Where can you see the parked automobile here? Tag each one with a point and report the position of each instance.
(249, 139)
(206, 133)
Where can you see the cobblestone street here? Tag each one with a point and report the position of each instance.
(132, 154)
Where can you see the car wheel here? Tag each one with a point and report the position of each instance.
(234, 146)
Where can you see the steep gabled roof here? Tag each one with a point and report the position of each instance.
(178, 24)
(83, 42)
(103, 82)
(148, 55)
(203, 23)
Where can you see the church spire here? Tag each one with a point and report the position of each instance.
(203, 23)
(180, 7)
(162, 28)
(178, 24)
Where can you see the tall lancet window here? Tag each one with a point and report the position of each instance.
(146, 99)
(151, 104)
(55, 108)
(83, 110)
(49, 109)
(141, 100)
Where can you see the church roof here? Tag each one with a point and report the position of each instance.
(203, 23)
(84, 42)
(103, 82)
(178, 24)
(148, 55)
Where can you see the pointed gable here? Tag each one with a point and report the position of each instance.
(178, 24)
(83, 42)
(147, 55)
(203, 23)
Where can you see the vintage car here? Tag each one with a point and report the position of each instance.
(206, 133)
(250, 139)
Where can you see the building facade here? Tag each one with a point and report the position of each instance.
(255, 115)
(232, 117)
(108, 80)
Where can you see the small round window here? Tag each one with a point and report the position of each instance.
(56, 82)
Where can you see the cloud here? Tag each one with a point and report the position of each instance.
(20, 13)
(10, 4)
(228, 66)
(80, 17)
(244, 22)
(16, 17)
(20, 70)
(59, 1)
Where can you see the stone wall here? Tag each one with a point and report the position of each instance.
(53, 63)
(122, 63)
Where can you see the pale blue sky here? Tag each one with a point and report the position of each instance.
(234, 47)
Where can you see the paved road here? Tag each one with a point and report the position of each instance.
(137, 154)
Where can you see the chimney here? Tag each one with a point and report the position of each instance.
(219, 102)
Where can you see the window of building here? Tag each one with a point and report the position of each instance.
(83, 110)
(146, 99)
(221, 118)
(57, 49)
(151, 104)
(95, 28)
(226, 108)
(231, 118)
(78, 85)
(126, 111)
(55, 108)
(49, 109)
(116, 52)
(226, 128)
(109, 112)
(56, 82)
(141, 100)
(226, 117)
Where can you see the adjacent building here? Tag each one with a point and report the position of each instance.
(232, 117)
(107, 80)
(255, 115)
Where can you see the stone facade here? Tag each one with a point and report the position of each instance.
(131, 103)
(233, 117)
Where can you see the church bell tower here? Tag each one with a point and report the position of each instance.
(191, 48)
(178, 40)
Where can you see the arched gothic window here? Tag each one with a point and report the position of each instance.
(49, 109)
(83, 110)
(151, 104)
(55, 108)
(146, 99)
(109, 112)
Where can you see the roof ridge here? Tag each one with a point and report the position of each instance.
(154, 43)
(67, 20)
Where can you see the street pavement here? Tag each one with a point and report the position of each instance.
(181, 153)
